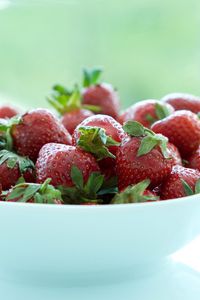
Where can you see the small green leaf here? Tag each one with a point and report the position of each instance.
(91, 77)
(161, 110)
(93, 108)
(134, 194)
(162, 142)
(134, 128)
(93, 184)
(29, 192)
(16, 193)
(12, 159)
(197, 187)
(77, 177)
(147, 144)
(61, 90)
(187, 188)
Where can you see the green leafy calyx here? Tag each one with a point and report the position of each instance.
(82, 192)
(64, 100)
(12, 159)
(6, 125)
(36, 193)
(91, 77)
(149, 139)
(95, 141)
(135, 194)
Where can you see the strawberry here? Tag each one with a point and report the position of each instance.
(182, 101)
(146, 112)
(180, 183)
(34, 193)
(144, 155)
(174, 153)
(7, 111)
(69, 106)
(100, 94)
(135, 194)
(100, 135)
(182, 129)
(194, 160)
(105, 124)
(74, 171)
(33, 130)
(12, 167)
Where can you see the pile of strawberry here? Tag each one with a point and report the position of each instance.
(91, 154)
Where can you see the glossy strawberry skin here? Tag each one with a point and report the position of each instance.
(37, 128)
(132, 169)
(111, 126)
(182, 129)
(194, 160)
(182, 101)
(173, 188)
(7, 112)
(56, 160)
(104, 96)
(174, 153)
(140, 111)
(72, 119)
(9, 177)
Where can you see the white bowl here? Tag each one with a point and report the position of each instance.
(76, 244)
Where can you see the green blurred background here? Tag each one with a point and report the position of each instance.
(147, 47)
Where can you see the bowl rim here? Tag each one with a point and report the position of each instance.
(159, 203)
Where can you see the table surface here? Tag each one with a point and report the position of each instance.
(180, 280)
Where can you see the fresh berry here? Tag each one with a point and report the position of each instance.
(180, 183)
(174, 153)
(100, 135)
(13, 167)
(182, 129)
(35, 193)
(33, 130)
(69, 106)
(146, 112)
(183, 102)
(7, 112)
(100, 94)
(135, 194)
(71, 119)
(111, 128)
(69, 167)
(143, 156)
(194, 160)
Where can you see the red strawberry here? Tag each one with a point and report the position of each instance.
(180, 183)
(135, 194)
(71, 119)
(12, 167)
(111, 128)
(33, 130)
(144, 156)
(69, 106)
(7, 111)
(35, 193)
(73, 169)
(102, 95)
(174, 153)
(182, 129)
(194, 160)
(100, 135)
(182, 101)
(146, 112)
